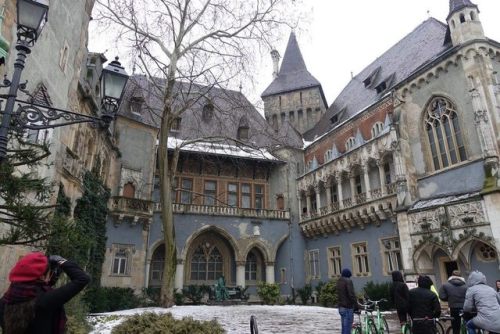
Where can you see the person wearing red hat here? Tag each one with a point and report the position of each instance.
(31, 305)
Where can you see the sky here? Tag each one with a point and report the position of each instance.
(341, 37)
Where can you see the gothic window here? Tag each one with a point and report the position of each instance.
(377, 129)
(357, 181)
(280, 202)
(486, 253)
(360, 259)
(462, 18)
(392, 255)
(387, 173)
(136, 105)
(350, 143)
(472, 16)
(334, 261)
(206, 263)
(157, 262)
(291, 116)
(314, 264)
(129, 190)
(444, 134)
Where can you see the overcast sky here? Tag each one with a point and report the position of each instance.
(346, 36)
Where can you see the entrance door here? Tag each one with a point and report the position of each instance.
(449, 266)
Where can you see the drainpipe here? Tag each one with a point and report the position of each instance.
(146, 260)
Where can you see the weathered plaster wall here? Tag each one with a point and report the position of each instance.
(372, 235)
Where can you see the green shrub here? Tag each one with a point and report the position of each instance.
(179, 297)
(327, 293)
(269, 292)
(106, 299)
(377, 291)
(150, 296)
(305, 293)
(152, 323)
(76, 312)
(195, 292)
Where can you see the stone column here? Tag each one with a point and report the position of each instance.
(339, 190)
(240, 273)
(299, 198)
(317, 189)
(179, 275)
(353, 188)
(405, 241)
(328, 190)
(308, 203)
(381, 173)
(269, 272)
(366, 170)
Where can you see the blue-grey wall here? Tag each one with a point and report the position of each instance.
(463, 179)
(489, 269)
(124, 233)
(371, 234)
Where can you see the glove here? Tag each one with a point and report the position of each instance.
(56, 260)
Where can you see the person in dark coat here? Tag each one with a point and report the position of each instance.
(424, 304)
(31, 305)
(399, 295)
(453, 292)
(346, 300)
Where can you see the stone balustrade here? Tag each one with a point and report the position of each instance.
(334, 219)
(131, 205)
(211, 210)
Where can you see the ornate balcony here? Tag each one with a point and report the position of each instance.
(134, 209)
(334, 219)
(211, 210)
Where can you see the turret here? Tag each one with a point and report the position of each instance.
(275, 55)
(463, 21)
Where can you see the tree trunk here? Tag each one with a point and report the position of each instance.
(167, 172)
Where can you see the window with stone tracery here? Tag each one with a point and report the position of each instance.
(206, 264)
(350, 143)
(444, 134)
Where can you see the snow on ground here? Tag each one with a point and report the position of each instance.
(235, 319)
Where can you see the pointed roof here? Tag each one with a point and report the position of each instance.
(456, 5)
(293, 74)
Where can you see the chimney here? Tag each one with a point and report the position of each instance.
(276, 60)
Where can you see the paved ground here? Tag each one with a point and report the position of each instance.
(235, 319)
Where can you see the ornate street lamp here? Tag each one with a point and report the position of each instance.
(113, 82)
(31, 17)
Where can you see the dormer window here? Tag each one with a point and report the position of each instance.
(243, 129)
(136, 105)
(350, 143)
(370, 80)
(334, 119)
(377, 129)
(208, 111)
(381, 87)
(367, 82)
(176, 124)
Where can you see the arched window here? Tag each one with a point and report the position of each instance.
(350, 143)
(129, 190)
(377, 129)
(208, 111)
(443, 132)
(462, 18)
(472, 16)
(251, 267)
(206, 264)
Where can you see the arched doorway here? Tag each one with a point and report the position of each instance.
(156, 268)
(209, 257)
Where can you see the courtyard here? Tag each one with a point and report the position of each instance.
(235, 319)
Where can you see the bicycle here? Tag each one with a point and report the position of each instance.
(463, 326)
(371, 325)
(406, 328)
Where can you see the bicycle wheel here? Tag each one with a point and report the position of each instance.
(356, 330)
(439, 328)
(371, 327)
(385, 326)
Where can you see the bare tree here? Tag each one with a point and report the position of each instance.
(193, 46)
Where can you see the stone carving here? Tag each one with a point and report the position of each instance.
(466, 214)
(133, 176)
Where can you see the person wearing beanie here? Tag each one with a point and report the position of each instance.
(423, 307)
(31, 304)
(346, 300)
(399, 295)
(453, 292)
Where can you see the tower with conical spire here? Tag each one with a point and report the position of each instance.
(294, 95)
(463, 21)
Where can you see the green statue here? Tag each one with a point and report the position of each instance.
(221, 290)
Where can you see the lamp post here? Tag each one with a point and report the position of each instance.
(31, 18)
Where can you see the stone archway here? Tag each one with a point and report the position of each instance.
(156, 267)
(209, 256)
(255, 267)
